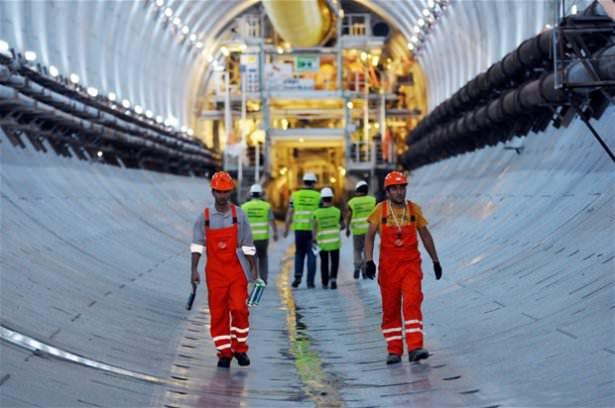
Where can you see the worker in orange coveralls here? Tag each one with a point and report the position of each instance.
(398, 221)
(223, 233)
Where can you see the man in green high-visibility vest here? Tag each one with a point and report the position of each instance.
(359, 208)
(260, 217)
(328, 223)
(301, 209)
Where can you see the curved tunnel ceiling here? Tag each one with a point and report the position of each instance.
(157, 67)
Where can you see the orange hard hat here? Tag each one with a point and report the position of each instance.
(222, 181)
(395, 178)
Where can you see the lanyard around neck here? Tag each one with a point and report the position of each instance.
(397, 223)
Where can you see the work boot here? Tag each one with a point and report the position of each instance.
(393, 359)
(418, 354)
(296, 283)
(242, 359)
(333, 284)
(224, 362)
(356, 273)
(311, 285)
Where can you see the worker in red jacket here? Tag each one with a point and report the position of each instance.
(398, 221)
(223, 233)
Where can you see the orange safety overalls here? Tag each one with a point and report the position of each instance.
(227, 289)
(400, 282)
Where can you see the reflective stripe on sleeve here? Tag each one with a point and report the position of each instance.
(197, 249)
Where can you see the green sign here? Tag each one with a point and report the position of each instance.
(307, 63)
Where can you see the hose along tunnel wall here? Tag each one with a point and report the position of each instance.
(519, 93)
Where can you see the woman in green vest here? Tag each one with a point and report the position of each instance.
(328, 223)
(359, 207)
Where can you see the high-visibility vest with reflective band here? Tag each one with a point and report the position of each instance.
(361, 207)
(257, 212)
(328, 228)
(304, 204)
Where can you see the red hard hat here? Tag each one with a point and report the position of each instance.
(395, 178)
(222, 181)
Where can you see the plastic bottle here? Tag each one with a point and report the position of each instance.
(257, 292)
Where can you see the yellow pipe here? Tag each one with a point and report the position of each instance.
(303, 23)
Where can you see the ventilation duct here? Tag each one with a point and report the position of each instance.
(304, 23)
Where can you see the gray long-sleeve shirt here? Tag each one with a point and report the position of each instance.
(221, 220)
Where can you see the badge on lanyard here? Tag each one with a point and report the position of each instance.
(398, 242)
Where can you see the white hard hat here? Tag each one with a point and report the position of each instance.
(326, 193)
(256, 189)
(360, 184)
(309, 176)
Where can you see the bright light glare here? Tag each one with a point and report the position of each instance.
(53, 71)
(4, 47)
(93, 92)
(30, 56)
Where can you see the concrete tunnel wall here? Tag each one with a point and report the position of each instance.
(95, 261)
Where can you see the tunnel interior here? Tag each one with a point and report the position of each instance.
(94, 252)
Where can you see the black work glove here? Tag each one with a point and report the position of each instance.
(437, 269)
(370, 269)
